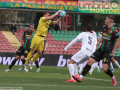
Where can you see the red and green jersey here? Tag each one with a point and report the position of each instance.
(27, 37)
(109, 36)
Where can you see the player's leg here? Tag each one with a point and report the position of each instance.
(116, 62)
(23, 62)
(34, 44)
(75, 68)
(98, 68)
(40, 49)
(81, 68)
(106, 61)
(111, 65)
(92, 68)
(37, 66)
(18, 54)
(71, 70)
(96, 56)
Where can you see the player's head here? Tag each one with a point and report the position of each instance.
(109, 19)
(89, 28)
(46, 14)
(31, 27)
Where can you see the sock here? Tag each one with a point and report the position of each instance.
(113, 77)
(71, 70)
(81, 67)
(23, 61)
(81, 76)
(109, 73)
(117, 64)
(75, 68)
(36, 62)
(36, 56)
(111, 65)
(28, 57)
(86, 69)
(92, 67)
(13, 63)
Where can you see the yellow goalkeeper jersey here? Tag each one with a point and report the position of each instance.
(43, 26)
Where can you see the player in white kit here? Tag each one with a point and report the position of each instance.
(89, 42)
(95, 65)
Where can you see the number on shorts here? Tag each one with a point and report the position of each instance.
(90, 40)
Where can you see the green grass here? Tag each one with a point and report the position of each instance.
(53, 78)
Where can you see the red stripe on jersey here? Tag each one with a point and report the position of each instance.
(28, 41)
(111, 41)
(106, 39)
(24, 42)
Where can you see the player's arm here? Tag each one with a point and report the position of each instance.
(52, 16)
(46, 46)
(116, 36)
(56, 22)
(115, 47)
(79, 37)
(100, 40)
(23, 38)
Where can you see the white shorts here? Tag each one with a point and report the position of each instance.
(79, 57)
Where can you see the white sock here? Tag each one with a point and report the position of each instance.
(81, 76)
(81, 67)
(111, 65)
(92, 67)
(76, 68)
(71, 70)
(113, 77)
(117, 64)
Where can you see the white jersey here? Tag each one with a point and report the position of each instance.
(89, 42)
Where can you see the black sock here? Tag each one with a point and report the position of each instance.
(23, 61)
(86, 69)
(108, 72)
(13, 63)
(36, 62)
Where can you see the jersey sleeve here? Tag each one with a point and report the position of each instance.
(42, 18)
(116, 34)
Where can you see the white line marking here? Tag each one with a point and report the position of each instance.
(58, 85)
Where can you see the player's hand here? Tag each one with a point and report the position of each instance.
(58, 12)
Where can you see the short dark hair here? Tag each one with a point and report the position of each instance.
(89, 27)
(111, 17)
(31, 25)
(44, 13)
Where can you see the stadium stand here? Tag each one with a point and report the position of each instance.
(5, 45)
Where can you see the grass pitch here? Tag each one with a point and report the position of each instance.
(53, 78)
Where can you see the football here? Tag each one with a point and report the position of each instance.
(62, 14)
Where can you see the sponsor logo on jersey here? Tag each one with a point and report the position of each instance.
(107, 35)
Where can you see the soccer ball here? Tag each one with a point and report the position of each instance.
(62, 14)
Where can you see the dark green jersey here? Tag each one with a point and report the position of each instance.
(109, 36)
(27, 37)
